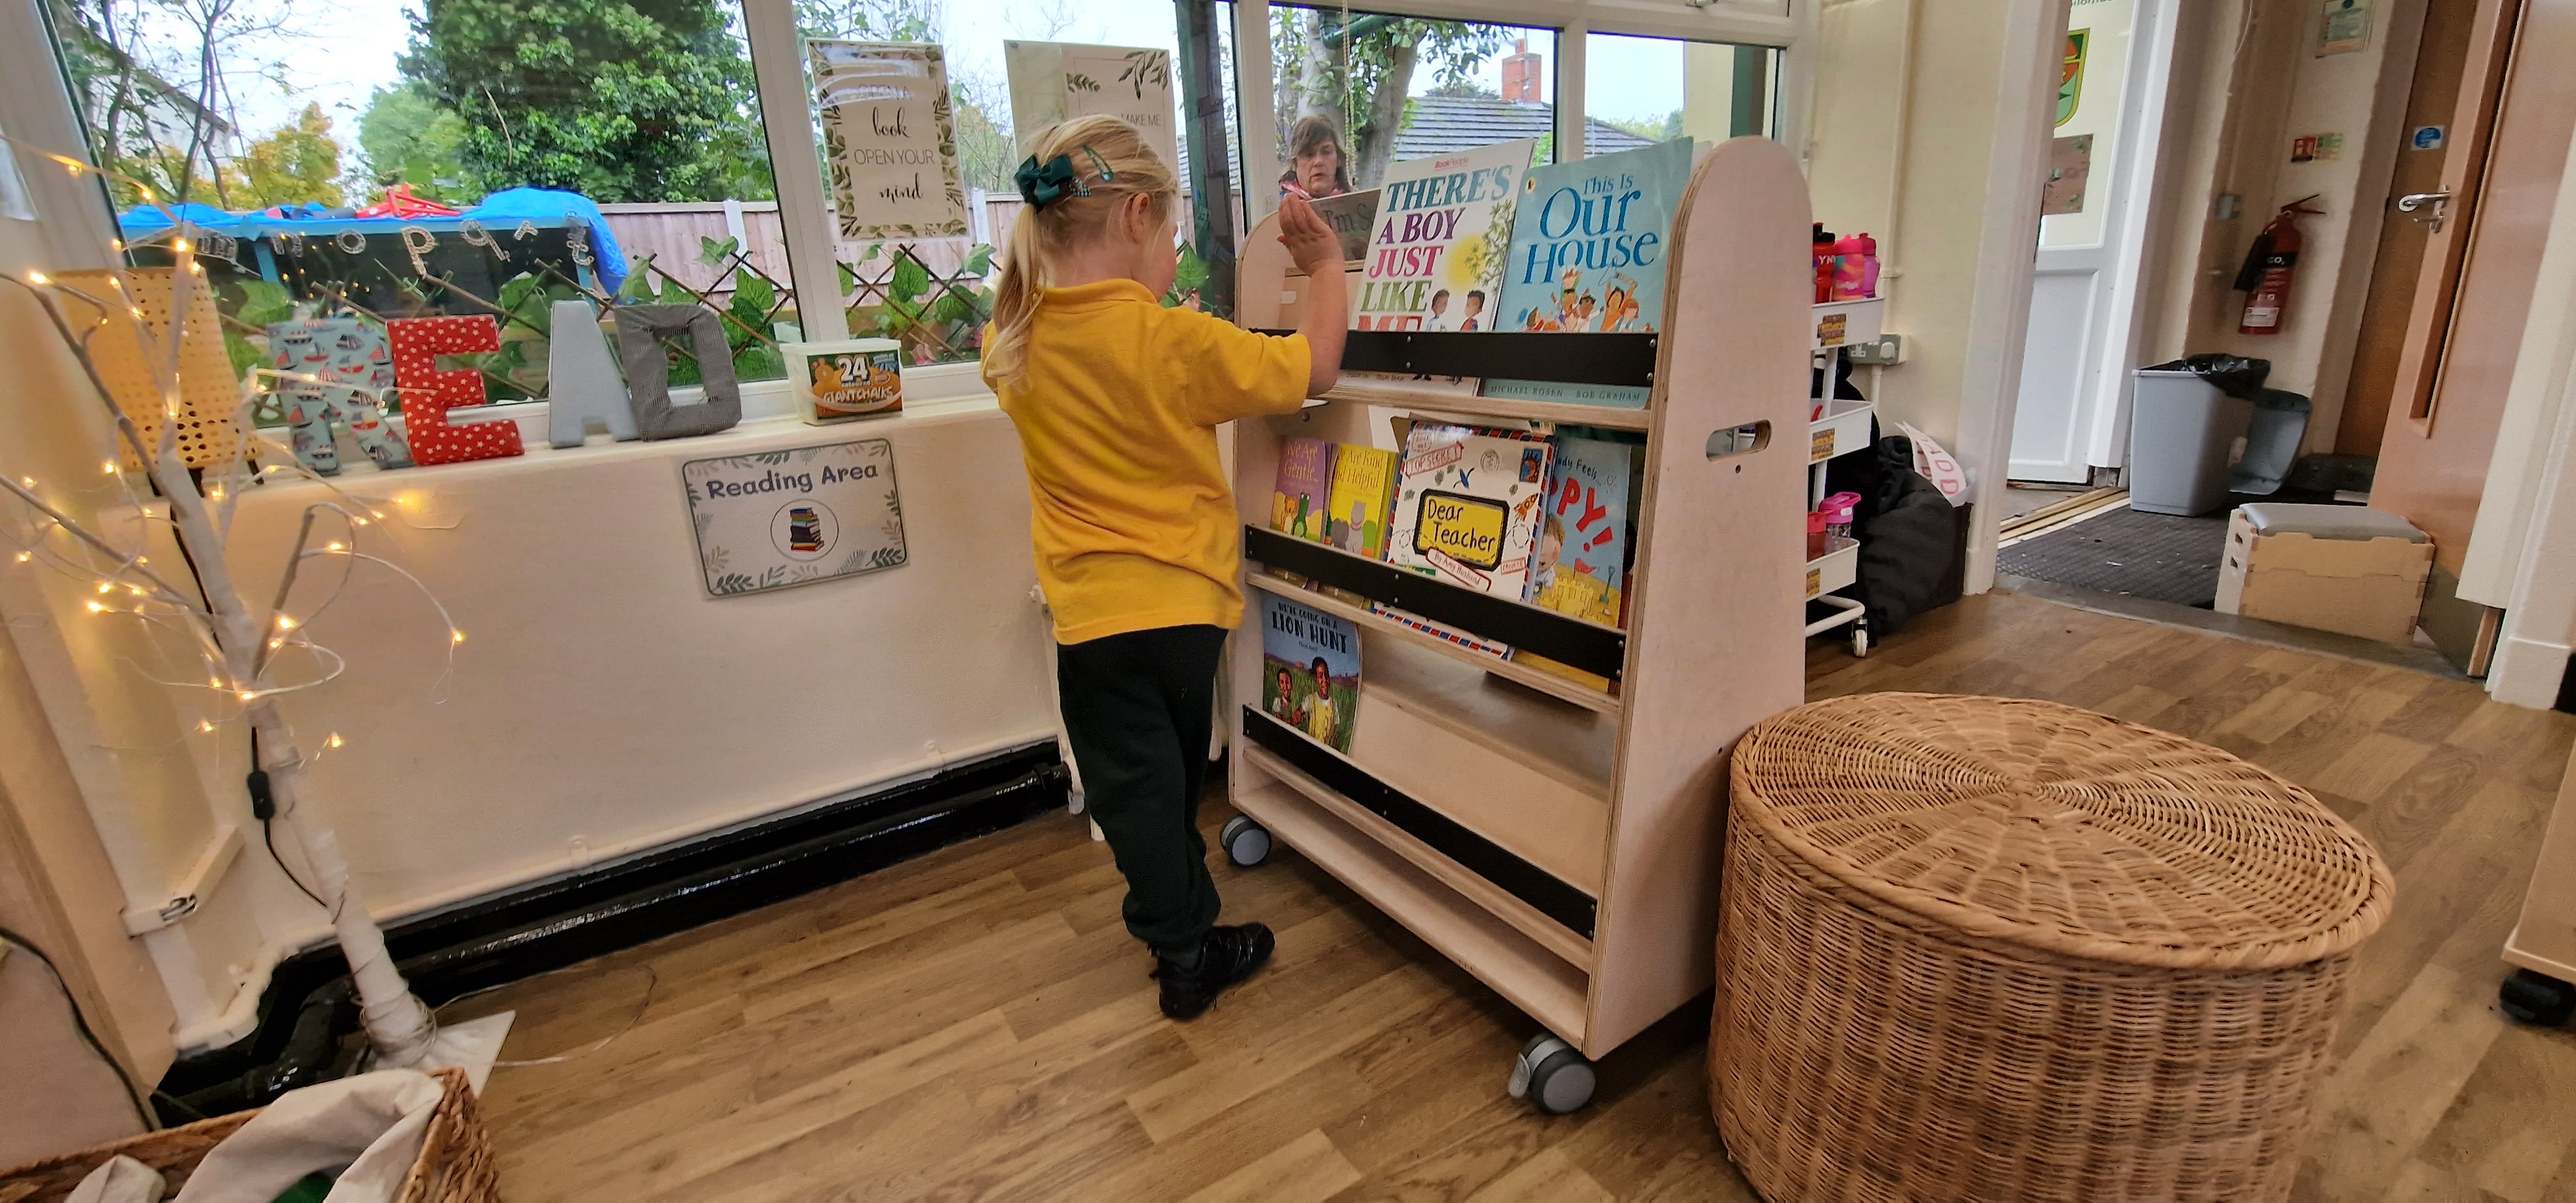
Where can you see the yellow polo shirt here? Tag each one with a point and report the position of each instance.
(1132, 516)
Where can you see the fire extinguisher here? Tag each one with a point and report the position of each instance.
(2270, 266)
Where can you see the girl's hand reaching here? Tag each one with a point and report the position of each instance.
(1318, 252)
(1311, 243)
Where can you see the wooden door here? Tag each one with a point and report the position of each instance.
(2509, 136)
(2403, 234)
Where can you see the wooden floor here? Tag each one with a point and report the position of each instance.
(977, 1025)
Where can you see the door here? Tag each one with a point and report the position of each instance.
(2431, 102)
(2509, 141)
(2083, 311)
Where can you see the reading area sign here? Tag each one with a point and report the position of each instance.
(795, 517)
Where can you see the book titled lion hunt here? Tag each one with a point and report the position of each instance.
(1310, 670)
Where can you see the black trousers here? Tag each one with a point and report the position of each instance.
(1137, 708)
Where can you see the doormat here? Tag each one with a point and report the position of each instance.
(2155, 556)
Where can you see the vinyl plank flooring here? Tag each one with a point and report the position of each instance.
(976, 1024)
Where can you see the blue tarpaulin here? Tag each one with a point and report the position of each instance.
(499, 210)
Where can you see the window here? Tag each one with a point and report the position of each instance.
(393, 158)
(1356, 91)
(389, 160)
(1639, 91)
(932, 292)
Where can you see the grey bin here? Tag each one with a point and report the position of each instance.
(2185, 437)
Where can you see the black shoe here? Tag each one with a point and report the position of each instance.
(1229, 955)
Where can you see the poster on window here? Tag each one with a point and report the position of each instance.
(794, 517)
(1058, 81)
(2070, 164)
(889, 139)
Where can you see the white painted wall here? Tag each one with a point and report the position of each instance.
(602, 704)
(2269, 88)
(1929, 131)
(2522, 555)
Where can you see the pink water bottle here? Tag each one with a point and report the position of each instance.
(1837, 510)
(1855, 268)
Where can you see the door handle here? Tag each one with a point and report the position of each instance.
(2414, 204)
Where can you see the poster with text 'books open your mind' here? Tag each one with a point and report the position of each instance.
(889, 139)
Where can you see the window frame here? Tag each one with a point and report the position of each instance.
(778, 75)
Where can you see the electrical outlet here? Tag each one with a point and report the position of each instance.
(1882, 351)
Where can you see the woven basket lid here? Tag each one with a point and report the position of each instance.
(2041, 825)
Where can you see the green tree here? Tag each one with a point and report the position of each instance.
(406, 137)
(290, 165)
(1358, 71)
(620, 100)
(1652, 129)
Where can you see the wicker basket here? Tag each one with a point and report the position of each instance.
(1977, 948)
(455, 1164)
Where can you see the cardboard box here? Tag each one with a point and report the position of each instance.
(2356, 571)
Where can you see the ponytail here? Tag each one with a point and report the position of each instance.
(1109, 162)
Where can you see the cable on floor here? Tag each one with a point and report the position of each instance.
(133, 1092)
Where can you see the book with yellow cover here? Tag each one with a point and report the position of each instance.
(1363, 496)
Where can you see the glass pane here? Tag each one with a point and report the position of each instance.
(933, 293)
(384, 160)
(1639, 91)
(1359, 90)
(2090, 84)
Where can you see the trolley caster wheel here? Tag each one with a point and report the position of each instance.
(1552, 1076)
(1246, 843)
(2537, 998)
(1860, 643)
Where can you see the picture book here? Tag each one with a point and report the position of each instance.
(1436, 248)
(1582, 546)
(1580, 563)
(1589, 243)
(1305, 481)
(1428, 627)
(1466, 507)
(1363, 492)
(1349, 215)
(1310, 670)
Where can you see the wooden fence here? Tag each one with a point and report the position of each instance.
(670, 233)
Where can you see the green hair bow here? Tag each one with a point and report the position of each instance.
(1044, 184)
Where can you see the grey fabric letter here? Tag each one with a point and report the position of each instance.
(640, 329)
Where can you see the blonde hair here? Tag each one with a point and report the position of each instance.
(1111, 162)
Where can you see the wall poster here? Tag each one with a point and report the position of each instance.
(2344, 28)
(794, 517)
(889, 139)
(2070, 163)
(1056, 81)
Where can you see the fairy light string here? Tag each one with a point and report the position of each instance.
(239, 651)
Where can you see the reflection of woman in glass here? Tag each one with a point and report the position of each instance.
(1316, 166)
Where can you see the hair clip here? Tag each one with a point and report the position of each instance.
(1106, 175)
(1043, 185)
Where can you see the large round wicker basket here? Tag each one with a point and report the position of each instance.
(1980, 948)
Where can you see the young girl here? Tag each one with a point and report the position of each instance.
(1139, 544)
